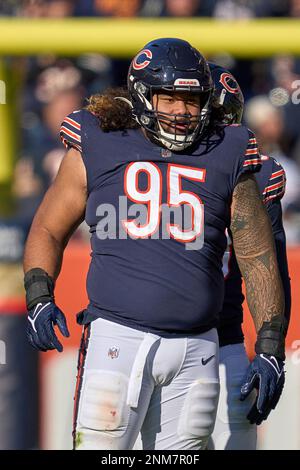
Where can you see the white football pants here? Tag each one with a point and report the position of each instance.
(130, 381)
(232, 429)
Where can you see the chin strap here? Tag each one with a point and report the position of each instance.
(168, 140)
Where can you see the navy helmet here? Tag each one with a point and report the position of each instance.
(170, 65)
(228, 99)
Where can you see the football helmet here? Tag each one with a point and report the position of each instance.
(228, 99)
(170, 65)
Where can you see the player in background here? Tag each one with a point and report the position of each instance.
(233, 430)
(149, 353)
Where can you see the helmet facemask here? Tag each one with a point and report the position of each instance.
(153, 120)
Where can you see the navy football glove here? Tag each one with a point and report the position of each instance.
(266, 374)
(40, 332)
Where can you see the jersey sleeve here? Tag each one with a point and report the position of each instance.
(275, 214)
(275, 187)
(252, 159)
(70, 131)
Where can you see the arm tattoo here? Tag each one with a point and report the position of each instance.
(255, 252)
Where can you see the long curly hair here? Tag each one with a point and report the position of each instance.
(113, 114)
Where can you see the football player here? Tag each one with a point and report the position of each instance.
(233, 430)
(158, 193)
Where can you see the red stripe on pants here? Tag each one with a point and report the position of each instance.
(80, 369)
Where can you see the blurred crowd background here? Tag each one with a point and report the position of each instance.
(50, 87)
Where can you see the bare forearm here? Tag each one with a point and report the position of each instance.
(43, 251)
(256, 255)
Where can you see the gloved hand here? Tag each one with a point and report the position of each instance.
(266, 374)
(40, 331)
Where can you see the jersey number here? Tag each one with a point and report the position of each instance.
(152, 197)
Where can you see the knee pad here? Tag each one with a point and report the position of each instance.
(103, 402)
(198, 414)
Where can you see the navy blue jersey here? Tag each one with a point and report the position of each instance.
(271, 182)
(158, 274)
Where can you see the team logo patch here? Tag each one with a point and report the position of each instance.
(144, 54)
(113, 352)
(229, 83)
(165, 153)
